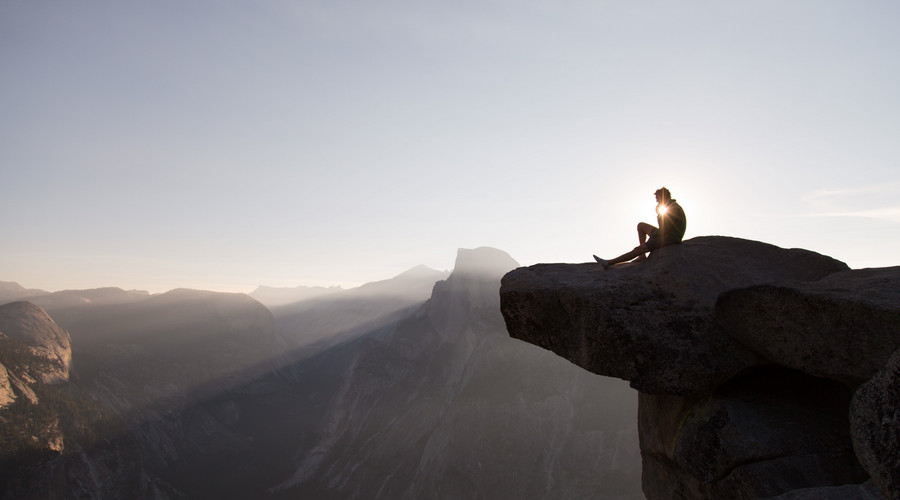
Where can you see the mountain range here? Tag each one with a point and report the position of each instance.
(405, 388)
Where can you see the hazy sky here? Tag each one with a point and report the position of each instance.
(222, 144)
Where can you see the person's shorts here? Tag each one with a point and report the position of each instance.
(656, 241)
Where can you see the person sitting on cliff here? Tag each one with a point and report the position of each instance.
(672, 224)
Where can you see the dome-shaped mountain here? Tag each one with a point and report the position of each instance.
(28, 323)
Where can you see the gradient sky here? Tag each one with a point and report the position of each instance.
(222, 145)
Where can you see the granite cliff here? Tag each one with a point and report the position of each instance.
(34, 352)
(762, 372)
(47, 348)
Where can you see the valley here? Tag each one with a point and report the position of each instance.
(406, 388)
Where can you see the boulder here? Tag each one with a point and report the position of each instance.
(650, 323)
(842, 327)
(875, 427)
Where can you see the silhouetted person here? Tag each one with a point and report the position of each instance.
(672, 223)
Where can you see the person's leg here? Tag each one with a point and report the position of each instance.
(639, 250)
(644, 231)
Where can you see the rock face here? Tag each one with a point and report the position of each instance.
(746, 356)
(842, 327)
(875, 427)
(28, 323)
(7, 395)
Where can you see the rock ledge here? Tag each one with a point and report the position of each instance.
(741, 351)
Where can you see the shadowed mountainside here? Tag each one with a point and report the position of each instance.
(280, 296)
(191, 394)
(444, 405)
(72, 299)
(11, 291)
(137, 364)
(311, 326)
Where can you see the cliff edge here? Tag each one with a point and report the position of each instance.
(747, 358)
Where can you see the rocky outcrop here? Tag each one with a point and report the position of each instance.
(655, 317)
(746, 356)
(28, 323)
(35, 355)
(842, 327)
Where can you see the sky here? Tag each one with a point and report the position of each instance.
(227, 144)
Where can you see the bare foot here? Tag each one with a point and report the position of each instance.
(602, 262)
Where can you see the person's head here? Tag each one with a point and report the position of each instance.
(663, 195)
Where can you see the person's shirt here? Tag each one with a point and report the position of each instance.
(672, 222)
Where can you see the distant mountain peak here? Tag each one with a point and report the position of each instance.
(483, 260)
(11, 291)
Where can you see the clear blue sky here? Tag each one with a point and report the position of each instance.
(222, 144)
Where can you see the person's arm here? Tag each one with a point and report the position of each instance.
(662, 219)
(675, 221)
